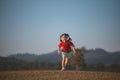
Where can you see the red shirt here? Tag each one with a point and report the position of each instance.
(66, 46)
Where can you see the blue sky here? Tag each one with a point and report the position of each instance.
(34, 26)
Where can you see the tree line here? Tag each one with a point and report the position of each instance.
(77, 63)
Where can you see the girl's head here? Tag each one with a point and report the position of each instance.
(65, 37)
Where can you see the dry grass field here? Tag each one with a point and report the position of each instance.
(58, 75)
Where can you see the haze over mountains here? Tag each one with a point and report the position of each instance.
(92, 56)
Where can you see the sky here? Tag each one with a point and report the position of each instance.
(34, 26)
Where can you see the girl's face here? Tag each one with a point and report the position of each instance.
(64, 38)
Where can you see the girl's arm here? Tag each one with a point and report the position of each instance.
(58, 50)
(73, 49)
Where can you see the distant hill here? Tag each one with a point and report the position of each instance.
(91, 56)
(10, 63)
(25, 56)
(98, 55)
(48, 57)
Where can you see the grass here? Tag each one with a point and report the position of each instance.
(58, 75)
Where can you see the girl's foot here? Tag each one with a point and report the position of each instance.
(63, 68)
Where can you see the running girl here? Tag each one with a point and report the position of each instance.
(68, 49)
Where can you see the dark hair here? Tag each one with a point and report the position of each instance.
(65, 35)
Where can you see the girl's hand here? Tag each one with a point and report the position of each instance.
(74, 54)
(58, 52)
(74, 51)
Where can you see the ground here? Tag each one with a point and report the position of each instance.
(58, 75)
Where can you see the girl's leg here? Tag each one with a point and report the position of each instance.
(69, 55)
(63, 63)
(66, 61)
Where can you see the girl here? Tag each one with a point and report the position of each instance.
(68, 49)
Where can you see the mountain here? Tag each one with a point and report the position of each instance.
(48, 57)
(101, 56)
(91, 56)
(10, 63)
(25, 57)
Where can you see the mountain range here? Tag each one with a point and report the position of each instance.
(91, 56)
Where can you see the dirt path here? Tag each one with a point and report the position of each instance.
(58, 75)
